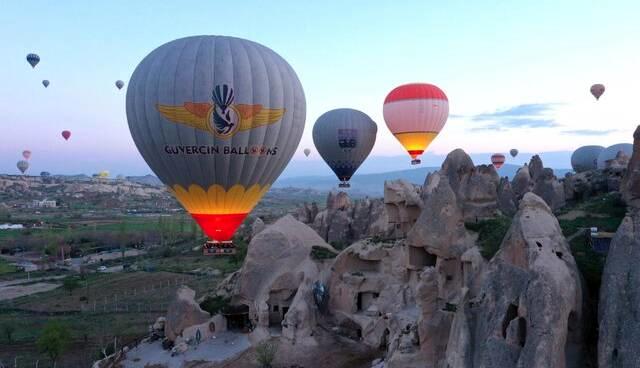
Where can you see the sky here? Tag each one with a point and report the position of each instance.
(517, 73)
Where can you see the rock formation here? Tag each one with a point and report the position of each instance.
(476, 187)
(183, 312)
(619, 305)
(528, 310)
(402, 205)
(535, 178)
(344, 221)
(276, 279)
(630, 185)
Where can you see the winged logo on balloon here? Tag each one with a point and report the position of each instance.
(223, 117)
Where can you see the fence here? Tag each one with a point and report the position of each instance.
(149, 301)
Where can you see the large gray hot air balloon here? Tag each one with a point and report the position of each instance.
(22, 165)
(217, 119)
(611, 152)
(344, 138)
(119, 84)
(33, 60)
(585, 158)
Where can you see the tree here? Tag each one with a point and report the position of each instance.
(70, 284)
(54, 340)
(8, 330)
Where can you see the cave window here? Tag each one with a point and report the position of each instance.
(512, 313)
(275, 308)
(539, 244)
(559, 254)
(522, 331)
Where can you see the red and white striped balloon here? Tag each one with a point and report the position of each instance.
(415, 113)
(497, 159)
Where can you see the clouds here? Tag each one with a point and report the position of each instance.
(521, 116)
(589, 132)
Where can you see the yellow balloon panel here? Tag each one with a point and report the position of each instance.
(416, 142)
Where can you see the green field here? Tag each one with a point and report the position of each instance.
(108, 305)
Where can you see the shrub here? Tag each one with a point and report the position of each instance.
(319, 253)
(490, 234)
(265, 354)
(214, 304)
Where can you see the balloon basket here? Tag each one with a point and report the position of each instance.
(416, 162)
(344, 185)
(218, 248)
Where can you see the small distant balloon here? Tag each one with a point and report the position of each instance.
(22, 165)
(66, 134)
(26, 154)
(497, 159)
(513, 152)
(597, 90)
(33, 60)
(307, 152)
(45, 83)
(119, 84)
(103, 174)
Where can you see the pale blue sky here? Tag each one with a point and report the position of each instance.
(517, 73)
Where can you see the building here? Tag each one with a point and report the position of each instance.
(600, 240)
(45, 203)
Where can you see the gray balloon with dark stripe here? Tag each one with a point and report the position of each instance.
(344, 138)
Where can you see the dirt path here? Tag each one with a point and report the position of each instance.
(17, 291)
(225, 346)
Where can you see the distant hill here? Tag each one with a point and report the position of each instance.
(146, 179)
(373, 184)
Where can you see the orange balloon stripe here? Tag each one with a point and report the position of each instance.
(217, 200)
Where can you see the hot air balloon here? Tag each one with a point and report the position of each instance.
(497, 159)
(597, 90)
(119, 84)
(217, 119)
(344, 138)
(22, 165)
(26, 154)
(415, 113)
(307, 152)
(611, 152)
(585, 158)
(45, 83)
(66, 134)
(33, 59)
(103, 174)
(513, 152)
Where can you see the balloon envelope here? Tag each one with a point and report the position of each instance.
(513, 152)
(611, 152)
(33, 60)
(66, 134)
(217, 119)
(415, 114)
(585, 158)
(597, 90)
(307, 152)
(497, 159)
(26, 154)
(119, 84)
(45, 83)
(344, 138)
(22, 165)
